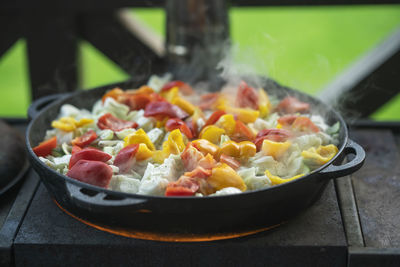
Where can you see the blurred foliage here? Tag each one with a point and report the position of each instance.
(302, 47)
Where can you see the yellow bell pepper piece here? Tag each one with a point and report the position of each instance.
(224, 176)
(159, 156)
(317, 157)
(83, 122)
(206, 147)
(275, 149)
(265, 105)
(275, 180)
(143, 153)
(246, 115)
(230, 148)
(161, 124)
(69, 124)
(279, 126)
(247, 149)
(211, 133)
(184, 105)
(139, 137)
(243, 149)
(171, 94)
(197, 114)
(227, 122)
(174, 143)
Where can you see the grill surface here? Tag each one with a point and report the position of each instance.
(362, 232)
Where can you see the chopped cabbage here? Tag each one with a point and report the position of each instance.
(125, 184)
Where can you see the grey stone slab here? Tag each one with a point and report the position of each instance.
(377, 189)
(48, 235)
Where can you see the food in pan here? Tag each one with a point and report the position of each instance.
(167, 139)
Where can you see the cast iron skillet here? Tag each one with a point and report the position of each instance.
(260, 208)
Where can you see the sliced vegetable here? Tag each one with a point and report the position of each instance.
(224, 176)
(184, 87)
(304, 124)
(242, 132)
(292, 105)
(227, 122)
(276, 135)
(209, 101)
(214, 117)
(143, 152)
(185, 105)
(175, 123)
(191, 157)
(115, 93)
(246, 115)
(206, 147)
(318, 157)
(108, 121)
(275, 149)
(75, 149)
(211, 133)
(92, 172)
(160, 110)
(89, 154)
(287, 119)
(44, 148)
(137, 101)
(125, 158)
(230, 161)
(138, 137)
(275, 180)
(264, 105)
(85, 139)
(246, 97)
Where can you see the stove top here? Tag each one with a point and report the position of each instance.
(354, 223)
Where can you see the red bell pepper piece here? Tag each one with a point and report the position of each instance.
(246, 97)
(304, 124)
(88, 154)
(92, 172)
(276, 135)
(108, 121)
(214, 117)
(232, 162)
(292, 105)
(208, 100)
(85, 139)
(185, 186)
(126, 158)
(242, 132)
(175, 123)
(183, 87)
(45, 148)
(75, 149)
(137, 101)
(161, 109)
(287, 119)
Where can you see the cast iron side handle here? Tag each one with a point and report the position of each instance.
(335, 171)
(101, 201)
(42, 102)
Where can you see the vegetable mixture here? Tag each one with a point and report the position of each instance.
(166, 139)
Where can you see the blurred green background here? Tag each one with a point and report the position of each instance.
(302, 47)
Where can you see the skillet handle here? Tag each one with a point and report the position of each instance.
(100, 201)
(38, 104)
(335, 171)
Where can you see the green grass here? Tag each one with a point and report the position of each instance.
(302, 47)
